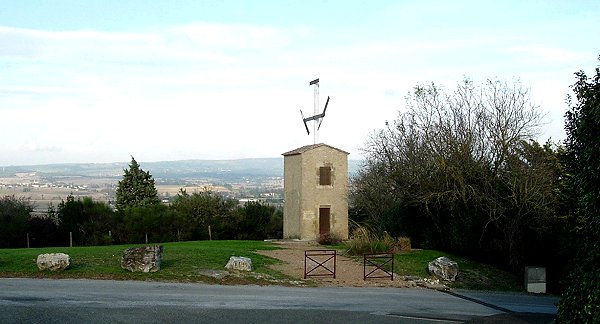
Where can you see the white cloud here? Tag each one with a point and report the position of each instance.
(228, 37)
(205, 90)
(537, 53)
(35, 147)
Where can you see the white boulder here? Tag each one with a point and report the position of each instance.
(53, 261)
(443, 268)
(239, 263)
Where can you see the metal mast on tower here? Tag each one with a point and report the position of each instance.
(316, 118)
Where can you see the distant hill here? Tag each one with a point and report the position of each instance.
(220, 169)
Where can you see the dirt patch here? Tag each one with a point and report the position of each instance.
(349, 272)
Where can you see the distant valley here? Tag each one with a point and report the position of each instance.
(243, 179)
(218, 169)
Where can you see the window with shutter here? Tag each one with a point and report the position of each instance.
(325, 176)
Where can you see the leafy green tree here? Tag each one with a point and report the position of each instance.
(87, 220)
(98, 222)
(195, 212)
(153, 222)
(14, 215)
(71, 218)
(137, 188)
(274, 229)
(259, 221)
(580, 302)
(43, 231)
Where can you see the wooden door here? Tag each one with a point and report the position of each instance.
(324, 224)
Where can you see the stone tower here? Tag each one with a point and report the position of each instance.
(315, 192)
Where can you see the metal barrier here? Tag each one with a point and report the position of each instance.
(378, 260)
(320, 258)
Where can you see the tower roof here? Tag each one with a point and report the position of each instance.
(307, 148)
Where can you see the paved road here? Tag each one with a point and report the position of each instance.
(514, 302)
(102, 301)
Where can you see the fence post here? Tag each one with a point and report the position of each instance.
(28, 240)
(70, 239)
(146, 238)
(209, 234)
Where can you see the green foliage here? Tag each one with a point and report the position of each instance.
(43, 231)
(199, 216)
(70, 219)
(87, 220)
(136, 188)
(459, 172)
(14, 215)
(155, 222)
(195, 212)
(99, 222)
(259, 221)
(580, 302)
(198, 211)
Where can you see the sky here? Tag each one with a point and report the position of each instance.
(99, 81)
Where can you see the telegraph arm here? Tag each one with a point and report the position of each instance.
(317, 118)
(305, 120)
(323, 114)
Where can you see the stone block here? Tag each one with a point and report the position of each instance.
(142, 259)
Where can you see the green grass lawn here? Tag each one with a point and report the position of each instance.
(472, 274)
(182, 261)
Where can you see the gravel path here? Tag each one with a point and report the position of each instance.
(349, 272)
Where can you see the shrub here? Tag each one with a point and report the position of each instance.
(329, 239)
(364, 241)
(404, 244)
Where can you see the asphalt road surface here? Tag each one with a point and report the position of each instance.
(107, 301)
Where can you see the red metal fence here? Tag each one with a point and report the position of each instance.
(323, 263)
(378, 263)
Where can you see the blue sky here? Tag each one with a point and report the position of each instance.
(98, 81)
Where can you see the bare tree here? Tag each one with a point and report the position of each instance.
(462, 160)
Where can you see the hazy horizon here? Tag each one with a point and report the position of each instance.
(141, 162)
(99, 81)
(154, 162)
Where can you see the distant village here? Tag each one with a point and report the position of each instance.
(45, 191)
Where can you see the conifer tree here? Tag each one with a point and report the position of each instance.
(136, 189)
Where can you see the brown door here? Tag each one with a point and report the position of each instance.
(324, 221)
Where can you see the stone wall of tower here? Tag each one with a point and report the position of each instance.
(304, 195)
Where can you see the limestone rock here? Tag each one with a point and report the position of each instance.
(217, 274)
(414, 281)
(53, 261)
(142, 259)
(443, 268)
(239, 263)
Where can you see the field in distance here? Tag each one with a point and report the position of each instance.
(50, 184)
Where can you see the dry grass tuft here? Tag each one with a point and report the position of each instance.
(364, 240)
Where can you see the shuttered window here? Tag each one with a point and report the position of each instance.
(325, 176)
